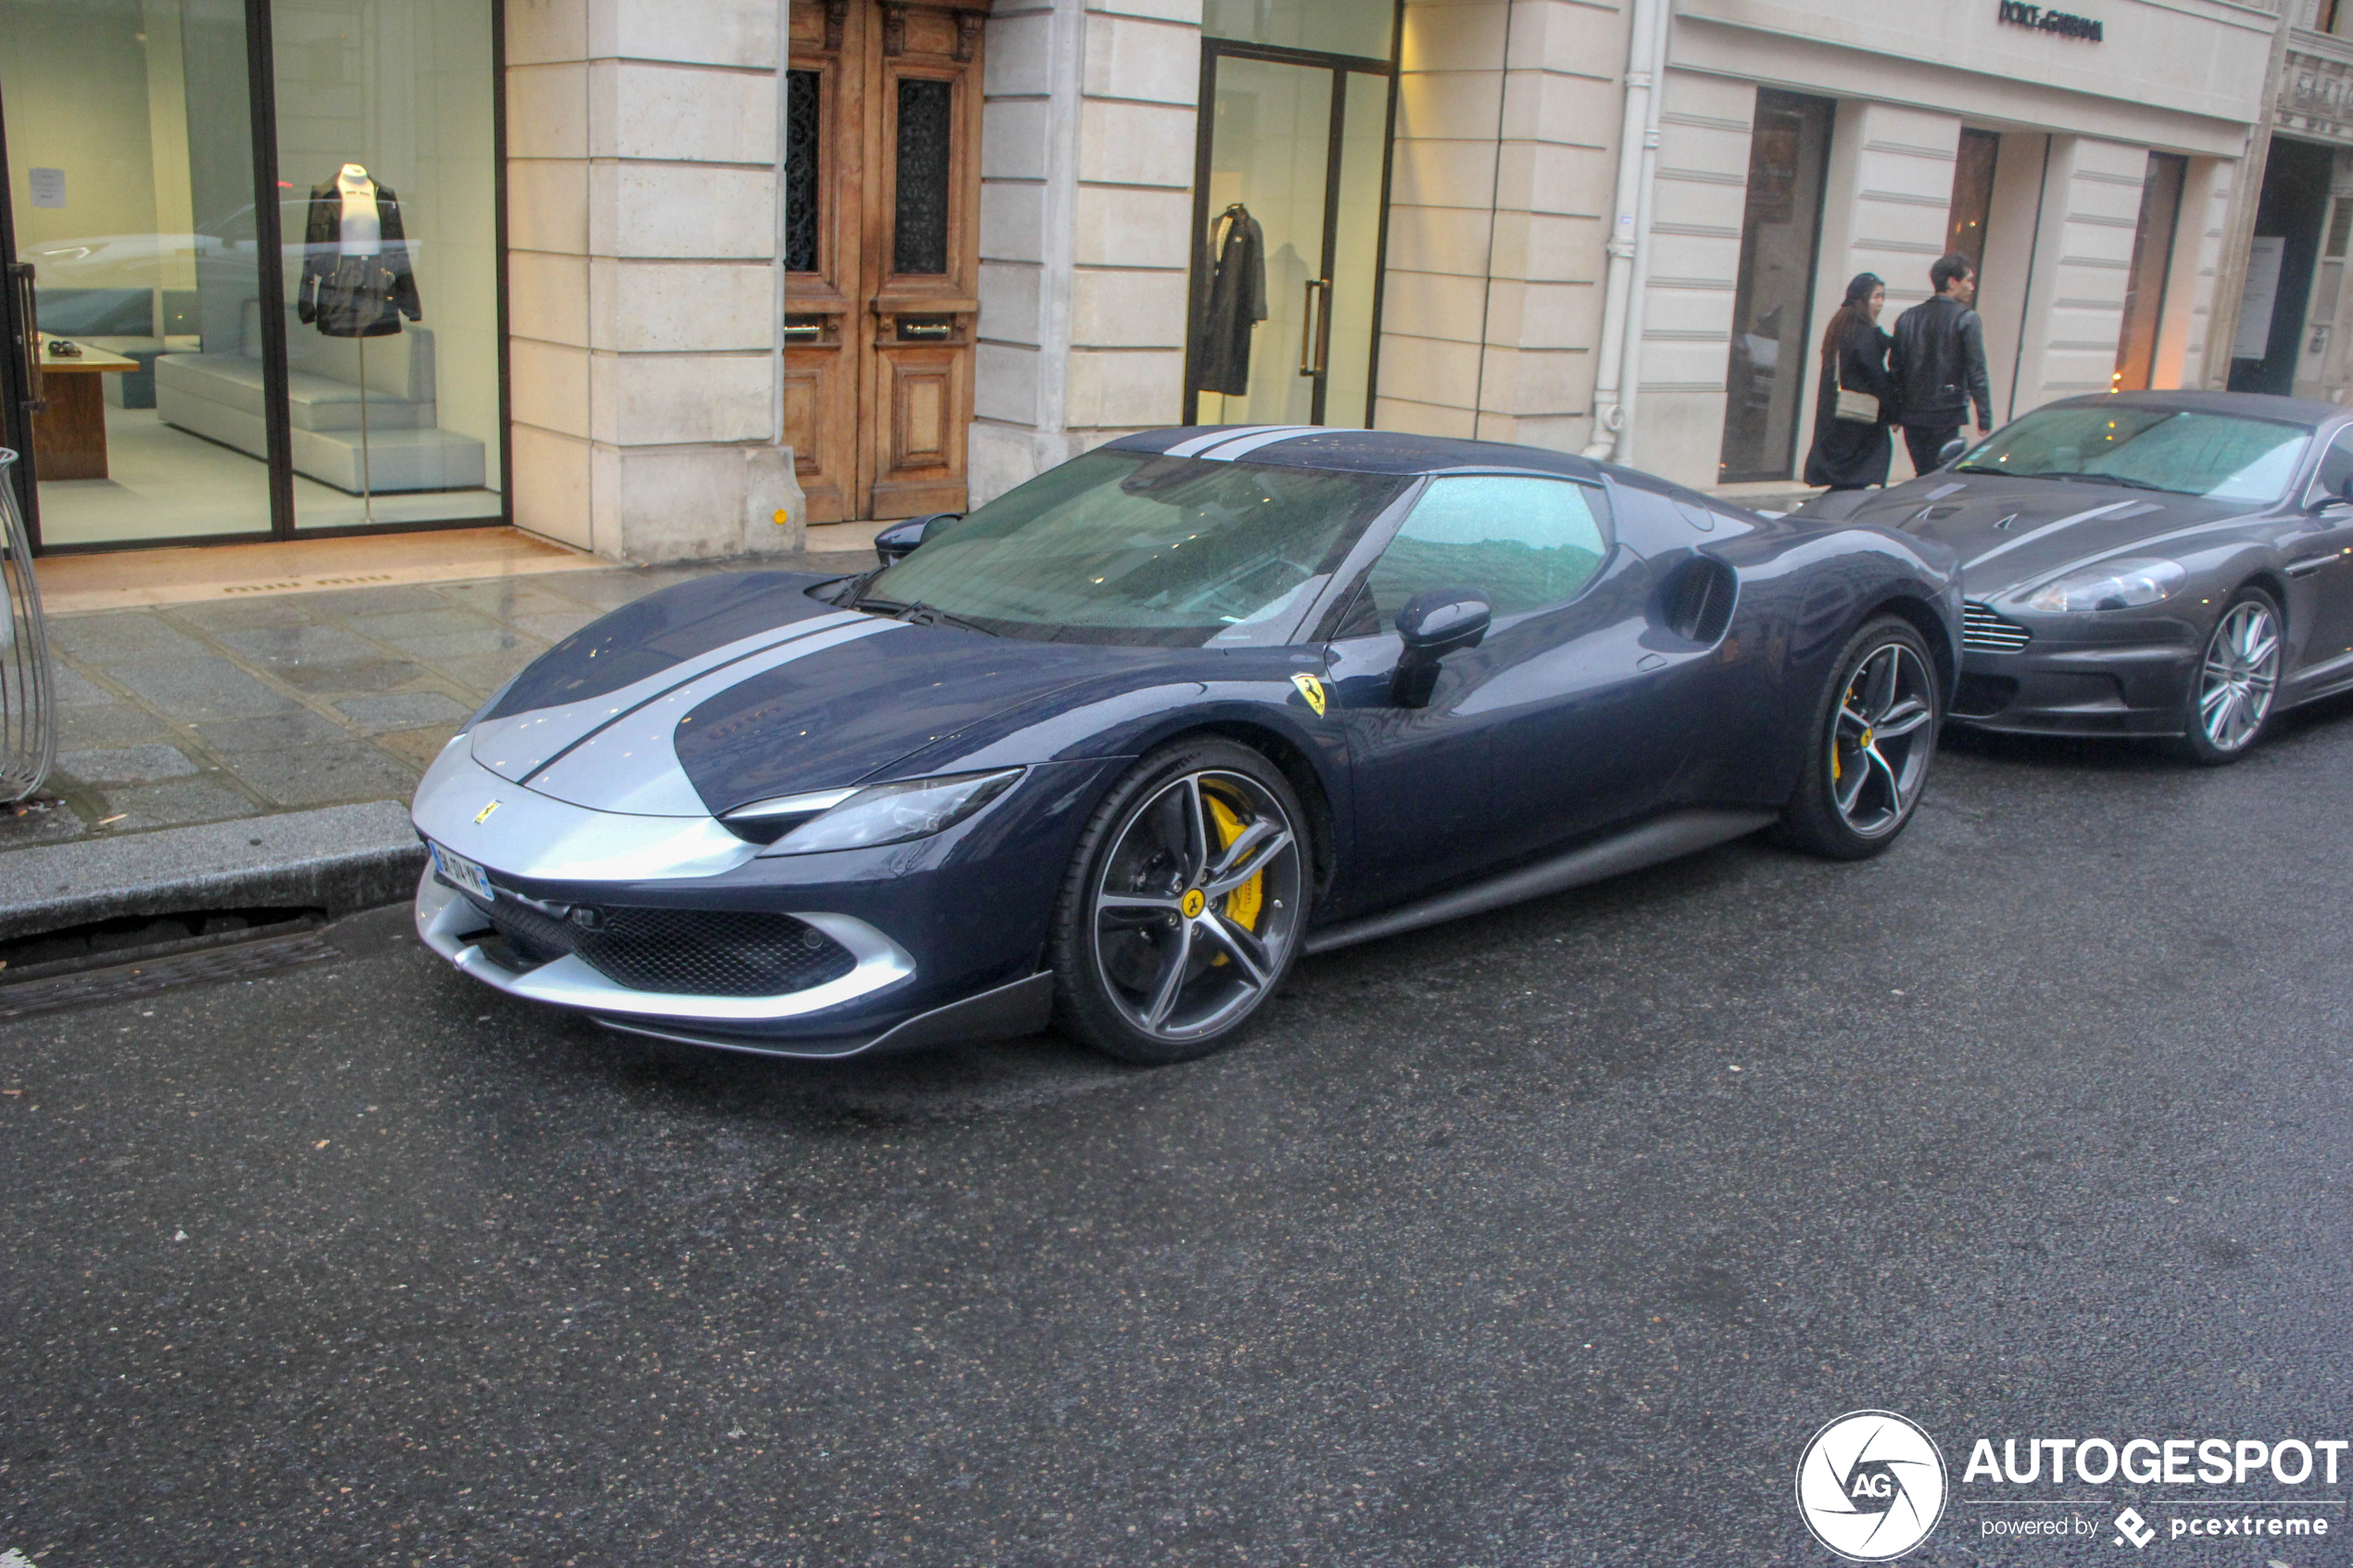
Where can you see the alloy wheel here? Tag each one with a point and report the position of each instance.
(2241, 673)
(1883, 739)
(1198, 906)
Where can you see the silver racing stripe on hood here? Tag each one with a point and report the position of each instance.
(517, 745)
(632, 764)
(2006, 545)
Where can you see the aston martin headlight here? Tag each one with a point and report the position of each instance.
(2116, 585)
(886, 814)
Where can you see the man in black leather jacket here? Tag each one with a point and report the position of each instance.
(1939, 363)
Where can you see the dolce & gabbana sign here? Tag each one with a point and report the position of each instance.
(2043, 19)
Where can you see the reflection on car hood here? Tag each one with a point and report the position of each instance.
(2011, 532)
(741, 687)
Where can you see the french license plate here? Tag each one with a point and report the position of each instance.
(462, 873)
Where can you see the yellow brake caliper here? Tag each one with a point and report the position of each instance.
(1242, 903)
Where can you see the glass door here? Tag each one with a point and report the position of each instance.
(130, 186)
(1290, 190)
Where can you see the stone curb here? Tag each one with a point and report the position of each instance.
(339, 858)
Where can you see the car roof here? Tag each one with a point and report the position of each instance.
(1359, 451)
(2252, 405)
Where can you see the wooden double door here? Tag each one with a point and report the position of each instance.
(882, 253)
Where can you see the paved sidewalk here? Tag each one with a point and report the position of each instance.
(250, 707)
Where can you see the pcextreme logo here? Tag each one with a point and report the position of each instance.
(1870, 1485)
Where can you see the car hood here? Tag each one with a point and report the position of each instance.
(729, 690)
(2013, 532)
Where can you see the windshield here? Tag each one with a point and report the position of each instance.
(2223, 457)
(1127, 547)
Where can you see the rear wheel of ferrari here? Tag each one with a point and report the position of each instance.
(1184, 905)
(2231, 697)
(1874, 735)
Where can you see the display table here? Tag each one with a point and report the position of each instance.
(70, 438)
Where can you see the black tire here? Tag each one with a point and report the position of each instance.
(2213, 728)
(1853, 798)
(1135, 924)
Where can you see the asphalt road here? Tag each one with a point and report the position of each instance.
(1549, 1237)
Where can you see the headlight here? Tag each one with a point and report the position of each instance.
(2117, 584)
(861, 819)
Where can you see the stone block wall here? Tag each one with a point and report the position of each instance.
(643, 277)
(1086, 214)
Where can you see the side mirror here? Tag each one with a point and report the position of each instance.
(1950, 450)
(1433, 624)
(898, 542)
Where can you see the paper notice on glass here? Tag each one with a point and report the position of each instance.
(2261, 297)
(48, 186)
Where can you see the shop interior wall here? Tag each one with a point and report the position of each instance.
(2010, 256)
(84, 100)
(2184, 331)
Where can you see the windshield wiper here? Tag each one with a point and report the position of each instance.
(920, 614)
(2106, 478)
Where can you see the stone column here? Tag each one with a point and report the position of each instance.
(642, 276)
(2082, 264)
(1086, 216)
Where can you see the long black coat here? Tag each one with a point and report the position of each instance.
(355, 295)
(1237, 304)
(1847, 456)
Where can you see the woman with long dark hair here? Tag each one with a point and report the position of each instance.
(1851, 450)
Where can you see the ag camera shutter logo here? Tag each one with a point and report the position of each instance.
(1870, 1485)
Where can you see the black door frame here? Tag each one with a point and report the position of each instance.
(270, 243)
(1197, 294)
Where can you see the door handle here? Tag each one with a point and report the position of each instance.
(2309, 565)
(1311, 341)
(20, 275)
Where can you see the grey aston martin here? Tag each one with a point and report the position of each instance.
(2148, 563)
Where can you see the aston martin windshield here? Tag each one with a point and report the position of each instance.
(2189, 452)
(1129, 547)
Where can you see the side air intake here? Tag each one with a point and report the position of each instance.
(1699, 599)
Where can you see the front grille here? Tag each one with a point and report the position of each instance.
(1987, 633)
(686, 952)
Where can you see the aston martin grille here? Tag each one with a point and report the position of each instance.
(686, 952)
(1988, 633)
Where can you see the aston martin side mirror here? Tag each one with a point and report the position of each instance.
(1950, 450)
(898, 542)
(1434, 624)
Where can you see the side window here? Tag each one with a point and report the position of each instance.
(2336, 466)
(1529, 543)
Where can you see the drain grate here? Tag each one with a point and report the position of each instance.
(29, 997)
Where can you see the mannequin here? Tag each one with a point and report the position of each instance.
(356, 279)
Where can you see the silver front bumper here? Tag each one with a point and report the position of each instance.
(444, 916)
(509, 829)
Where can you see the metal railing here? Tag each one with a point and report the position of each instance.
(28, 695)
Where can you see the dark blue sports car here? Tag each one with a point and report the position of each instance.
(1114, 749)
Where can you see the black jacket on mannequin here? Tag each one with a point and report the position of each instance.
(355, 295)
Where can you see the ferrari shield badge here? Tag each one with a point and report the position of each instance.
(1313, 690)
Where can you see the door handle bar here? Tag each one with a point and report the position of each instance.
(1311, 341)
(36, 402)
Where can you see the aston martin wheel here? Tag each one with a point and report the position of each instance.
(1874, 737)
(2230, 701)
(1184, 904)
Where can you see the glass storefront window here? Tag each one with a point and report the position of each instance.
(389, 188)
(1972, 206)
(1363, 27)
(1772, 302)
(132, 191)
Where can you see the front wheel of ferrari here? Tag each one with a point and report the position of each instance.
(1184, 905)
(1874, 735)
